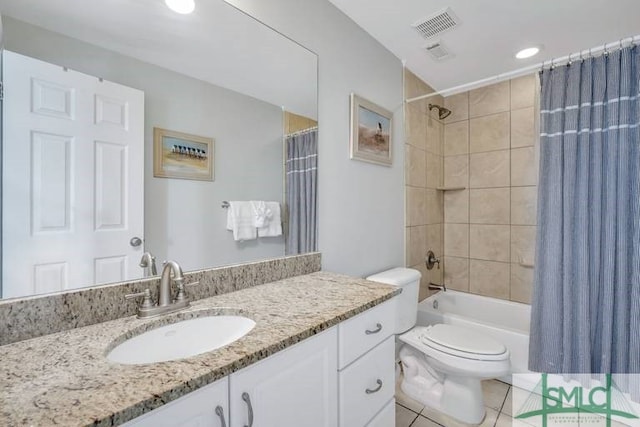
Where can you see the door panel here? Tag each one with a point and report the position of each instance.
(73, 184)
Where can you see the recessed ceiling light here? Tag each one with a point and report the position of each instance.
(181, 6)
(527, 53)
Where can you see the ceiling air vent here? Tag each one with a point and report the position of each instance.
(437, 23)
(438, 51)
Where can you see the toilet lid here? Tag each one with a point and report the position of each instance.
(462, 339)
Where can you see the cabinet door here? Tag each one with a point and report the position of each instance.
(295, 387)
(196, 409)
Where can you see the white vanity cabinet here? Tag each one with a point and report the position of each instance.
(343, 377)
(293, 388)
(366, 373)
(205, 407)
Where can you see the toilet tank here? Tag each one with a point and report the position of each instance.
(407, 302)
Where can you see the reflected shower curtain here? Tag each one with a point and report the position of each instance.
(586, 298)
(301, 187)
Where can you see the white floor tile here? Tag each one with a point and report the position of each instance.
(508, 403)
(494, 393)
(447, 421)
(404, 417)
(424, 422)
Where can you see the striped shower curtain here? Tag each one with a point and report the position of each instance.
(301, 188)
(586, 297)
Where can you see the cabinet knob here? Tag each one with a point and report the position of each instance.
(375, 390)
(220, 413)
(246, 398)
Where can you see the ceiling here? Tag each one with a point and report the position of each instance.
(217, 44)
(492, 31)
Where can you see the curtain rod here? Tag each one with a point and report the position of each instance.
(583, 54)
(302, 132)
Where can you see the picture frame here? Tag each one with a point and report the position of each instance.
(371, 132)
(181, 155)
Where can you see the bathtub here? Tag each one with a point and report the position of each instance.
(505, 321)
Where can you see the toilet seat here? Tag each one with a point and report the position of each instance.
(456, 341)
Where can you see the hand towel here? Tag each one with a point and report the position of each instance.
(240, 220)
(262, 214)
(274, 226)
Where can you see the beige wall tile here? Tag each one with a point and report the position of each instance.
(434, 174)
(523, 243)
(456, 138)
(489, 99)
(416, 127)
(523, 91)
(489, 242)
(524, 201)
(416, 206)
(489, 278)
(435, 206)
(435, 135)
(414, 85)
(459, 106)
(416, 166)
(456, 273)
(523, 127)
(524, 167)
(456, 240)
(418, 244)
(489, 133)
(489, 206)
(434, 240)
(488, 169)
(521, 283)
(456, 206)
(407, 245)
(456, 171)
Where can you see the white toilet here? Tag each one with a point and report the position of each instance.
(443, 364)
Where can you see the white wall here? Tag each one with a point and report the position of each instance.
(361, 206)
(183, 218)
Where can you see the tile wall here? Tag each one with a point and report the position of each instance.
(424, 222)
(489, 147)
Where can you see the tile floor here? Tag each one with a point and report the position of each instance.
(410, 413)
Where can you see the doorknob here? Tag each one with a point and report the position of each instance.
(135, 241)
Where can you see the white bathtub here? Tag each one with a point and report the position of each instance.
(505, 321)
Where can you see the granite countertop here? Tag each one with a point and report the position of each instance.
(65, 379)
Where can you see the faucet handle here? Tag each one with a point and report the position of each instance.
(181, 296)
(146, 302)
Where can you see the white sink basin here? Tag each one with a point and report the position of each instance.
(180, 340)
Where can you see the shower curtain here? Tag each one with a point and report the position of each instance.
(301, 183)
(586, 297)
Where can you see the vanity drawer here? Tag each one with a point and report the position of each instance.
(367, 385)
(364, 331)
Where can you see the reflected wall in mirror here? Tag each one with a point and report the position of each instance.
(216, 73)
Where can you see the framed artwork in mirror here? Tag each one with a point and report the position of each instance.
(370, 132)
(181, 155)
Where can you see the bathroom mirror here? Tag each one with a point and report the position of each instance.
(216, 73)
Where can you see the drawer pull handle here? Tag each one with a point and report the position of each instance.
(375, 331)
(375, 390)
(246, 398)
(220, 413)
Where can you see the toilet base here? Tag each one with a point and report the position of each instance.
(459, 398)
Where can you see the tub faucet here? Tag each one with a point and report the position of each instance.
(436, 287)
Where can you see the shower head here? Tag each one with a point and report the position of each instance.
(443, 113)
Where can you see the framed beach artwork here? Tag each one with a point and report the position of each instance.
(181, 155)
(370, 132)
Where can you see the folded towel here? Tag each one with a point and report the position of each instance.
(240, 220)
(274, 225)
(262, 214)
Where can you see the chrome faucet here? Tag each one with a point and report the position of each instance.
(166, 304)
(148, 262)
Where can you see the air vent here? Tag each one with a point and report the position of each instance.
(437, 23)
(438, 51)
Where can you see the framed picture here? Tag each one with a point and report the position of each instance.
(181, 155)
(370, 132)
